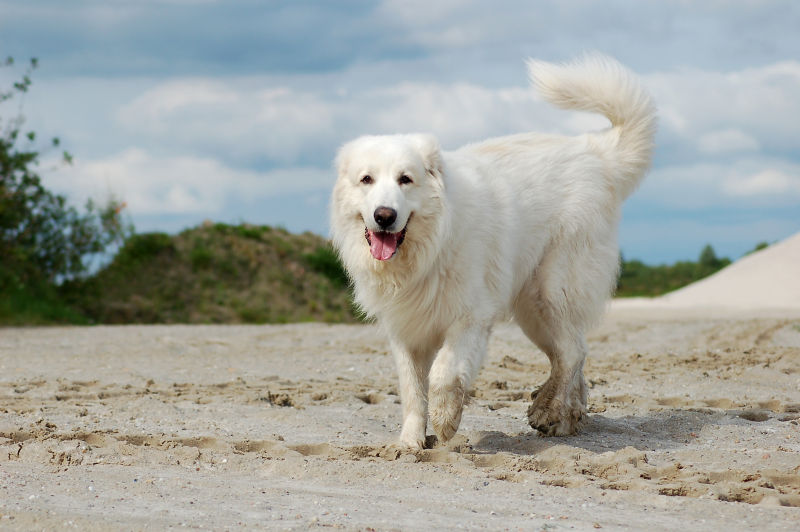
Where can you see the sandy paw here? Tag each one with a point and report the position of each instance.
(445, 407)
(410, 442)
(551, 416)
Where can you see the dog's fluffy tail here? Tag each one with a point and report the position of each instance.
(600, 84)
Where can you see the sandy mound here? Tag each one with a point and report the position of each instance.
(767, 279)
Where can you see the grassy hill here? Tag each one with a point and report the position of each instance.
(217, 273)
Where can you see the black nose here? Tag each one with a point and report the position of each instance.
(385, 216)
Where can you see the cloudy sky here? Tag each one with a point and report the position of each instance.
(233, 110)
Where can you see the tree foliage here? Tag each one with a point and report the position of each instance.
(43, 240)
(708, 258)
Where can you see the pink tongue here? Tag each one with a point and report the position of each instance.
(383, 245)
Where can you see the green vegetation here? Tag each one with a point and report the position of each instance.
(39, 304)
(43, 241)
(639, 279)
(324, 260)
(217, 273)
(759, 247)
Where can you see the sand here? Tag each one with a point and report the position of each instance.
(693, 426)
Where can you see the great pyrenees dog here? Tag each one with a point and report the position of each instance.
(440, 245)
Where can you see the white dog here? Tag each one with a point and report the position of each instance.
(441, 245)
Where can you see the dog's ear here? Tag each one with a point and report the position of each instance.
(431, 152)
(343, 159)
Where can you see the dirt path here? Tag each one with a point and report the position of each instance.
(694, 425)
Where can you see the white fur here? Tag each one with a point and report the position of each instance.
(522, 226)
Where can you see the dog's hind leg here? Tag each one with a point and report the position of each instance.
(452, 373)
(560, 403)
(555, 308)
(413, 366)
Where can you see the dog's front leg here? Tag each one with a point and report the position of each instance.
(452, 373)
(412, 369)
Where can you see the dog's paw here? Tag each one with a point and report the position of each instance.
(412, 437)
(445, 406)
(552, 416)
(551, 422)
(410, 442)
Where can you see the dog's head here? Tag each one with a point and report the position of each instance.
(385, 186)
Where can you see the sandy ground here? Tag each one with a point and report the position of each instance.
(693, 426)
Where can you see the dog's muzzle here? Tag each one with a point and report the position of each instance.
(382, 244)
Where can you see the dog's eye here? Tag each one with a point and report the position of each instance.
(367, 179)
(405, 180)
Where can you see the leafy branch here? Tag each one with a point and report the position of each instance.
(42, 238)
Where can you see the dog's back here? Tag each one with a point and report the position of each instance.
(539, 195)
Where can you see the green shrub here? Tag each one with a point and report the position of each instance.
(144, 246)
(759, 247)
(200, 257)
(325, 261)
(284, 246)
(36, 304)
(250, 231)
(254, 315)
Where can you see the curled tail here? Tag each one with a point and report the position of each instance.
(602, 85)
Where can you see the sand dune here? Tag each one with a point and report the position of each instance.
(693, 426)
(766, 279)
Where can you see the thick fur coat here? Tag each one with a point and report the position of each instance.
(441, 245)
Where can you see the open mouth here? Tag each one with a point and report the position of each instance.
(382, 244)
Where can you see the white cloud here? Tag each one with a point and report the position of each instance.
(726, 141)
(710, 114)
(753, 182)
(239, 118)
(727, 122)
(751, 107)
(254, 118)
(683, 187)
(179, 185)
(461, 113)
(446, 23)
(174, 96)
(768, 182)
